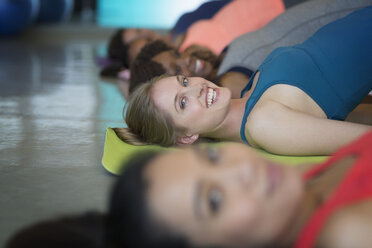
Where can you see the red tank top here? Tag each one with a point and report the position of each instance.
(354, 187)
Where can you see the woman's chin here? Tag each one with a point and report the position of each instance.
(223, 97)
(225, 93)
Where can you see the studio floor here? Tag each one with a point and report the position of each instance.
(54, 110)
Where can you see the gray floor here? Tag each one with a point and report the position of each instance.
(53, 113)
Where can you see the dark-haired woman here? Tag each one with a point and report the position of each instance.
(75, 231)
(230, 196)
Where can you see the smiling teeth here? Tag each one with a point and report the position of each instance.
(197, 66)
(211, 97)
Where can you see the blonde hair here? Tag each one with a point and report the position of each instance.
(147, 124)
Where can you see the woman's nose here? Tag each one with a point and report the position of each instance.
(185, 60)
(193, 89)
(240, 175)
(184, 63)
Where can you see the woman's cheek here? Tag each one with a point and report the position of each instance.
(245, 216)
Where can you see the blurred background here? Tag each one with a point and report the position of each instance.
(18, 15)
(54, 107)
(160, 14)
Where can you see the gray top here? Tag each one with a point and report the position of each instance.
(290, 28)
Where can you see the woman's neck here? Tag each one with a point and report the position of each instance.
(305, 209)
(229, 129)
(317, 190)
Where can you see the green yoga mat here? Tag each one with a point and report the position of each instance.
(117, 152)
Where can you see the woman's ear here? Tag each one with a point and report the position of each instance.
(188, 139)
(124, 74)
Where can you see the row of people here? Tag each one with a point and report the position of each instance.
(229, 196)
(234, 67)
(294, 103)
(213, 25)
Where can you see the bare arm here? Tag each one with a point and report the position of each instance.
(281, 130)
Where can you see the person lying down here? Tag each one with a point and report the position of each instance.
(230, 196)
(294, 104)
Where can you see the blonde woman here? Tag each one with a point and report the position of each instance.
(294, 103)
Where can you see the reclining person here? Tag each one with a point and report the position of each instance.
(245, 53)
(230, 196)
(296, 95)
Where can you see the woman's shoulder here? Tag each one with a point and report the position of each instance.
(349, 227)
(260, 121)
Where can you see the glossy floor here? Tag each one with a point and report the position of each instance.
(53, 113)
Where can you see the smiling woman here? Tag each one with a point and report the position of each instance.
(162, 110)
(294, 104)
(196, 100)
(230, 196)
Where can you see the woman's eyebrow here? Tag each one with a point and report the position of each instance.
(178, 79)
(175, 102)
(176, 96)
(197, 149)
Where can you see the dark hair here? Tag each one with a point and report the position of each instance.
(129, 222)
(112, 70)
(118, 55)
(143, 67)
(74, 232)
(117, 50)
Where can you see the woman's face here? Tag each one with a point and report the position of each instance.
(193, 103)
(225, 196)
(195, 64)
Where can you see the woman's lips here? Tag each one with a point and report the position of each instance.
(274, 176)
(217, 95)
(211, 96)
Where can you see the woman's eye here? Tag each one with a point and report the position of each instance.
(214, 200)
(213, 154)
(185, 81)
(183, 103)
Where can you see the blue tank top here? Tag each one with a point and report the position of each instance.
(333, 67)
